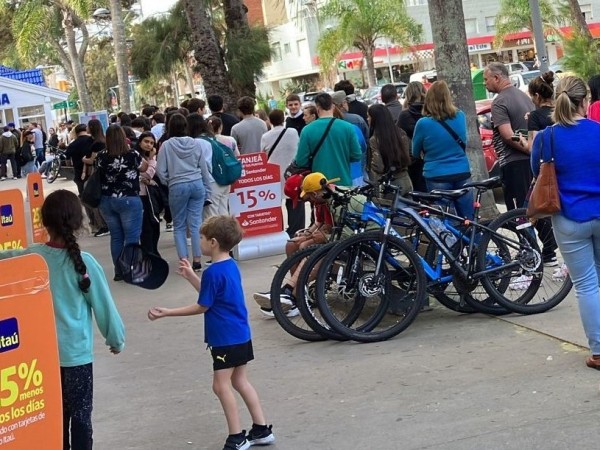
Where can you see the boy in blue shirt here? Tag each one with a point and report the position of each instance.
(226, 329)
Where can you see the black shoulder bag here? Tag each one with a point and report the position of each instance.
(294, 168)
(458, 140)
(276, 142)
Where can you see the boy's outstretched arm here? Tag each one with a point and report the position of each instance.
(158, 311)
(186, 271)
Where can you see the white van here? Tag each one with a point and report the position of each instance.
(418, 76)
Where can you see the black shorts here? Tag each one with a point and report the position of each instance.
(231, 355)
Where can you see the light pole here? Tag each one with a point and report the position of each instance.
(389, 59)
(538, 35)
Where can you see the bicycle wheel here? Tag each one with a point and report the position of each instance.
(387, 303)
(307, 304)
(285, 311)
(54, 170)
(475, 300)
(532, 288)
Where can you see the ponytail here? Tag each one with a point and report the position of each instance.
(570, 93)
(72, 248)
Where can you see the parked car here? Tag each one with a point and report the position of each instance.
(522, 79)
(309, 96)
(557, 66)
(484, 119)
(372, 96)
(430, 74)
(516, 67)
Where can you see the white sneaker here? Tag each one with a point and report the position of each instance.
(521, 283)
(561, 273)
(3, 178)
(267, 312)
(263, 299)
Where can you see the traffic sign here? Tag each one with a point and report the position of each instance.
(64, 105)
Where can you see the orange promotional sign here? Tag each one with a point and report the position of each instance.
(30, 391)
(35, 194)
(13, 232)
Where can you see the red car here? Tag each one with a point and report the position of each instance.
(484, 118)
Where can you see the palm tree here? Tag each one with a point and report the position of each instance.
(452, 64)
(118, 29)
(55, 21)
(515, 15)
(359, 23)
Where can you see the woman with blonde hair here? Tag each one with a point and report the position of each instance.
(440, 136)
(573, 142)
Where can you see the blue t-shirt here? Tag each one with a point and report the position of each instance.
(226, 321)
(576, 159)
(443, 155)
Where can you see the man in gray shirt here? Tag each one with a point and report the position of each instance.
(509, 111)
(249, 131)
(40, 154)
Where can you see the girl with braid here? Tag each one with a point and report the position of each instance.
(79, 288)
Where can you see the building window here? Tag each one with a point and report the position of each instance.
(490, 24)
(471, 26)
(587, 12)
(416, 2)
(275, 52)
(31, 111)
(300, 45)
(286, 48)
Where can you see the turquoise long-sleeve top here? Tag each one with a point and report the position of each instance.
(73, 308)
(442, 154)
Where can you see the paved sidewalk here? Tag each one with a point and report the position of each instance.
(450, 381)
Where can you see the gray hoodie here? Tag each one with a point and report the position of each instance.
(181, 160)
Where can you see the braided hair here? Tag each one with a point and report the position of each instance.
(62, 216)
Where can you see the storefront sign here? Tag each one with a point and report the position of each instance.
(255, 199)
(4, 100)
(102, 116)
(480, 47)
(35, 194)
(13, 233)
(30, 392)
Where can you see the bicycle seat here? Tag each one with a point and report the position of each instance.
(425, 196)
(490, 183)
(450, 194)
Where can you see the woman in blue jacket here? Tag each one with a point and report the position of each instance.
(446, 163)
(574, 142)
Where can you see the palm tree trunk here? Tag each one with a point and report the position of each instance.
(189, 77)
(118, 28)
(579, 19)
(368, 55)
(452, 64)
(78, 74)
(209, 56)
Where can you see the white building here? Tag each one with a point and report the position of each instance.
(22, 103)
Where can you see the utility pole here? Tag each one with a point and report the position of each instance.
(538, 35)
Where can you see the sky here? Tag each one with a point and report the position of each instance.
(150, 7)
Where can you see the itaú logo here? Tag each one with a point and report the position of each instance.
(6, 215)
(9, 334)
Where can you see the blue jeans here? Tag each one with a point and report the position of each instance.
(40, 156)
(463, 205)
(123, 216)
(579, 244)
(28, 167)
(186, 201)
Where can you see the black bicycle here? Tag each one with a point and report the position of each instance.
(56, 163)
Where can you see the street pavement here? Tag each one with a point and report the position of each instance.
(450, 381)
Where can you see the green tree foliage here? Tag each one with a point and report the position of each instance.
(515, 15)
(100, 72)
(582, 56)
(358, 24)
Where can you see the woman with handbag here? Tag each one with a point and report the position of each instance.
(572, 144)
(149, 194)
(441, 137)
(120, 204)
(96, 131)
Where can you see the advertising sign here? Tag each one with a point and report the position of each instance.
(35, 194)
(102, 116)
(30, 391)
(13, 232)
(255, 199)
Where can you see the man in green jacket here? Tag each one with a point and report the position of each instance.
(339, 148)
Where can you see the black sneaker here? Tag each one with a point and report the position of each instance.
(196, 266)
(237, 442)
(550, 260)
(102, 232)
(261, 435)
(118, 277)
(169, 227)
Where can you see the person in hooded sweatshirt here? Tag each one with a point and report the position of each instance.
(182, 166)
(8, 147)
(414, 96)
